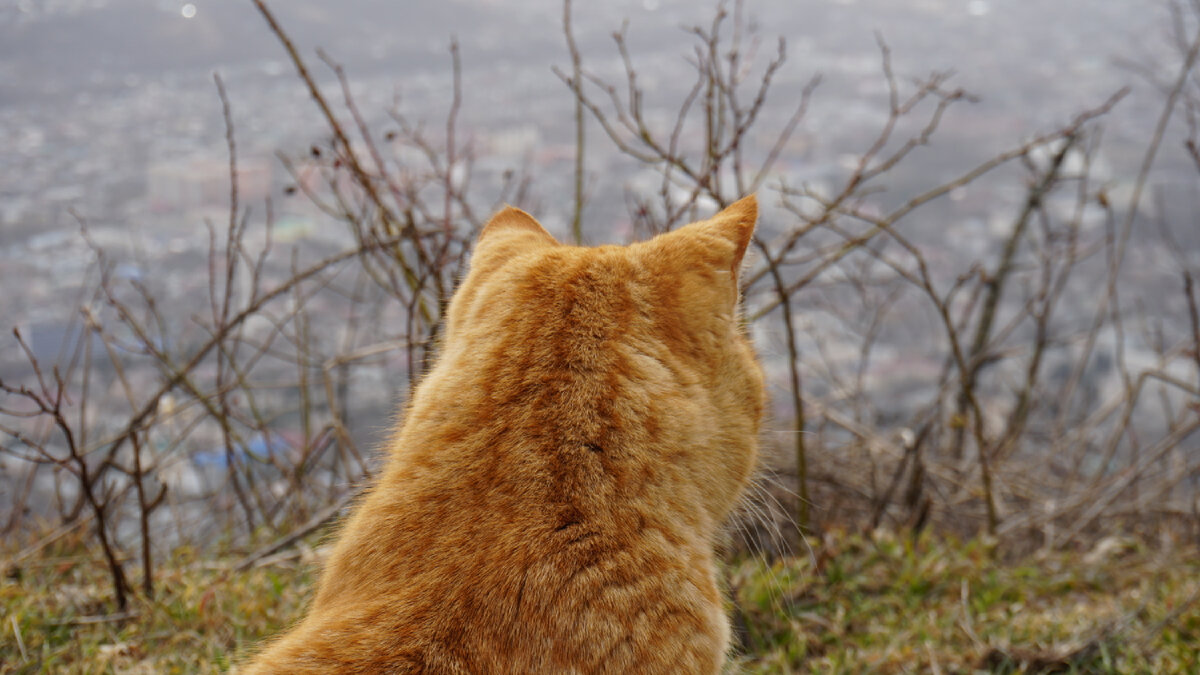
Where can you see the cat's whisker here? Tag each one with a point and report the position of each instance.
(777, 482)
(762, 489)
(756, 506)
(779, 598)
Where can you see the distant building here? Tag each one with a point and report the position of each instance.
(514, 142)
(186, 184)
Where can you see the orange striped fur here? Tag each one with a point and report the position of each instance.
(550, 502)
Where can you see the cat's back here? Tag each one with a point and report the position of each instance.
(550, 501)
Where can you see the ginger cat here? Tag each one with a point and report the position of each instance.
(550, 501)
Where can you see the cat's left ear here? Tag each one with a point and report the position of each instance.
(513, 221)
(509, 233)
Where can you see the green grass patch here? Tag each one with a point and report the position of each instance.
(857, 605)
(894, 605)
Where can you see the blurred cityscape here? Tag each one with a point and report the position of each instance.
(109, 115)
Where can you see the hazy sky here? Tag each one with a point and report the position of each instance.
(47, 45)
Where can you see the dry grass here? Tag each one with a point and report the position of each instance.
(858, 605)
(203, 614)
(894, 605)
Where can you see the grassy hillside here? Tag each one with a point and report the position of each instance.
(856, 605)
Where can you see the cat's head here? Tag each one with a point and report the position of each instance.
(636, 353)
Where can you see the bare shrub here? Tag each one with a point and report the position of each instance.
(1025, 383)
